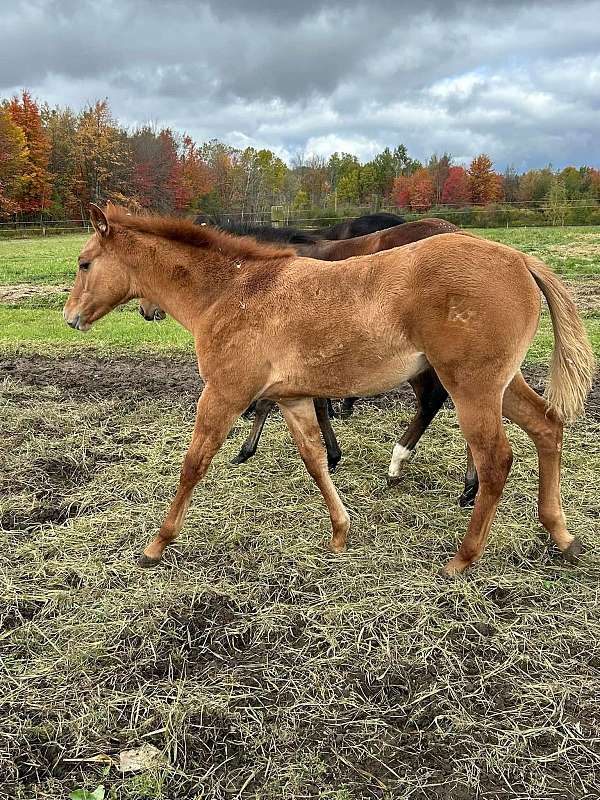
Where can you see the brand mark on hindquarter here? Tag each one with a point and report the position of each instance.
(458, 309)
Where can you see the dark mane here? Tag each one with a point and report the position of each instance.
(264, 233)
(186, 232)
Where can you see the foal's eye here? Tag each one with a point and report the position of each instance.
(84, 264)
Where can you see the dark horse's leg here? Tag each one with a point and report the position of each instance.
(347, 407)
(261, 412)
(331, 443)
(430, 396)
(469, 494)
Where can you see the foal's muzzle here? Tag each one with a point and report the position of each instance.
(76, 321)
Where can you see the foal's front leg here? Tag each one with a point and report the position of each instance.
(215, 416)
(302, 422)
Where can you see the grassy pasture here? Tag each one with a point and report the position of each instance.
(258, 663)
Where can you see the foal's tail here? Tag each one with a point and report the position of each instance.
(573, 363)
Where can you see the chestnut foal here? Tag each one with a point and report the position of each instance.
(429, 392)
(264, 326)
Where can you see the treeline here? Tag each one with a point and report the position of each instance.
(54, 161)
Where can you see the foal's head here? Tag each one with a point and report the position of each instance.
(102, 282)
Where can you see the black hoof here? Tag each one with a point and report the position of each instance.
(146, 562)
(241, 457)
(393, 480)
(573, 551)
(332, 463)
(467, 498)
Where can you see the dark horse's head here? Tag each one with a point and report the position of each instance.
(264, 233)
(361, 226)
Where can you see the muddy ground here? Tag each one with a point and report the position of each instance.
(171, 377)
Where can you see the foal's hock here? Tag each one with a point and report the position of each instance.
(266, 326)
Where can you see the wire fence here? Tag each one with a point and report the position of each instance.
(507, 214)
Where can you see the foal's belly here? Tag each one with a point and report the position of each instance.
(332, 372)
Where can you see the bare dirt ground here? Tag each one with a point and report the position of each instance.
(263, 666)
(171, 378)
(23, 291)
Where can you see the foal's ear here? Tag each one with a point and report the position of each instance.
(99, 220)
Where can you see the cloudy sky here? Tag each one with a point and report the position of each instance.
(518, 80)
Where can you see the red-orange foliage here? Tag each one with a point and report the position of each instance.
(13, 155)
(35, 191)
(401, 191)
(422, 190)
(415, 192)
(196, 175)
(457, 189)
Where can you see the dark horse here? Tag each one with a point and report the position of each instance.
(348, 229)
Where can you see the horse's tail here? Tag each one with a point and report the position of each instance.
(573, 363)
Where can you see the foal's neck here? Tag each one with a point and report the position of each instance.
(184, 280)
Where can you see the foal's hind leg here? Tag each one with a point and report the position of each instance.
(430, 396)
(248, 449)
(481, 423)
(331, 443)
(531, 412)
(302, 422)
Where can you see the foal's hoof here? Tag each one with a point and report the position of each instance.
(393, 480)
(468, 496)
(454, 567)
(573, 551)
(146, 562)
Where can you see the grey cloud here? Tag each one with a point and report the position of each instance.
(518, 79)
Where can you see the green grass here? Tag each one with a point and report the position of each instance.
(32, 327)
(572, 252)
(51, 259)
(44, 329)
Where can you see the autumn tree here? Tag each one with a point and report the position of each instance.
(34, 193)
(439, 169)
(60, 125)
(102, 157)
(485, 184)
(13, 160)
(422, 190)
(196, 176)
(457, 188)
(415, 192)
(401, 191)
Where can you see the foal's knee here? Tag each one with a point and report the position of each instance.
(494, 471)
